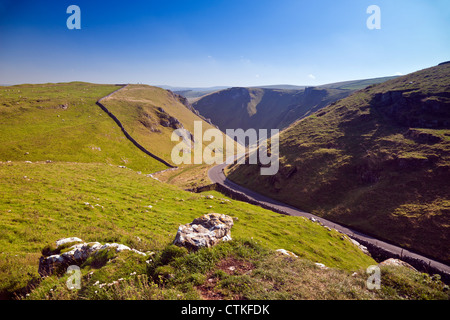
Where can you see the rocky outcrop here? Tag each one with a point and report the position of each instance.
(75, 254)
(422, 137)
(413, 109)
(205, 231)
(287, 253)
(360, 246)
(167, 120)
(396, 263)
(183, 100)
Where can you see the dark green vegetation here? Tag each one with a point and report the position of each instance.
(271, 107)
(378, 161)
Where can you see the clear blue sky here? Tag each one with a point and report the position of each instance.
(212, 43)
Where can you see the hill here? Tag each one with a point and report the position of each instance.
(61, 122)
(377, 161)
(271, 107)
(108, 204)
(151, 114)
(262, 108)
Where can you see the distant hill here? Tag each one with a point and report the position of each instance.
(271, 107)
(356, 84)
(378, 160)
(263, 108)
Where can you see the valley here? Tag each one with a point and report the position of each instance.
(67, 169)
(375, 161)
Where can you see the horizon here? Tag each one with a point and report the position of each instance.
(203, 44)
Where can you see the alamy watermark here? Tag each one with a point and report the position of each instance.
(74, 20)
(374, 280)
(74, 281)
(263, 150)
(374, 20)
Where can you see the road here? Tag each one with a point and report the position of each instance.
(217, 176)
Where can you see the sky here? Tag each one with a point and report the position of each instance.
(209, 43)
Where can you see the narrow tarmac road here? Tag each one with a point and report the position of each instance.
(217, 176)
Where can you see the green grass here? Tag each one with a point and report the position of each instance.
(234, 270)
(34, 127)
(84, 193)
(42, 202)
(359, 163)
(136, 106)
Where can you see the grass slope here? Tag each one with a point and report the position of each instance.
(260, 108)
(137, 107)
(42, 202)
(377, 161)
(61, 122)
(83, 192)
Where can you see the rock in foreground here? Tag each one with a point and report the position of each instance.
(396, 263)
(75, 254)
(205, 231)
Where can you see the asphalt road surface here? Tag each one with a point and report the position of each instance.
(217, 176)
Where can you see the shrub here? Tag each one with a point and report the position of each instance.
(172, 252)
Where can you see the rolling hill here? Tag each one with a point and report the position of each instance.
(377, 161)
(61, 122)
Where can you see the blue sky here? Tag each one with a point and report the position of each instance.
(219, 43)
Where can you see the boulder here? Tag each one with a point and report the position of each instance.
(396, 263)
(321, 265)
(287, 253)
(75, 254)
(205, 231)
(60, 242)
(360, 246)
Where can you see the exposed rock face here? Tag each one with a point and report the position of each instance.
(205, 231)
(360, 246)
(396, 262)
(76, 254)
(167, 120)
(414, 109)
(60, 242)
(287, 253)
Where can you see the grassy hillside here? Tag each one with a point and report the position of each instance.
(61, 122)
(357, 84)
(377, 161)
(145, 113)
(42, 202)
(93, 188)
(38, 209)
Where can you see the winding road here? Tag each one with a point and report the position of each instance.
(217, 176)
